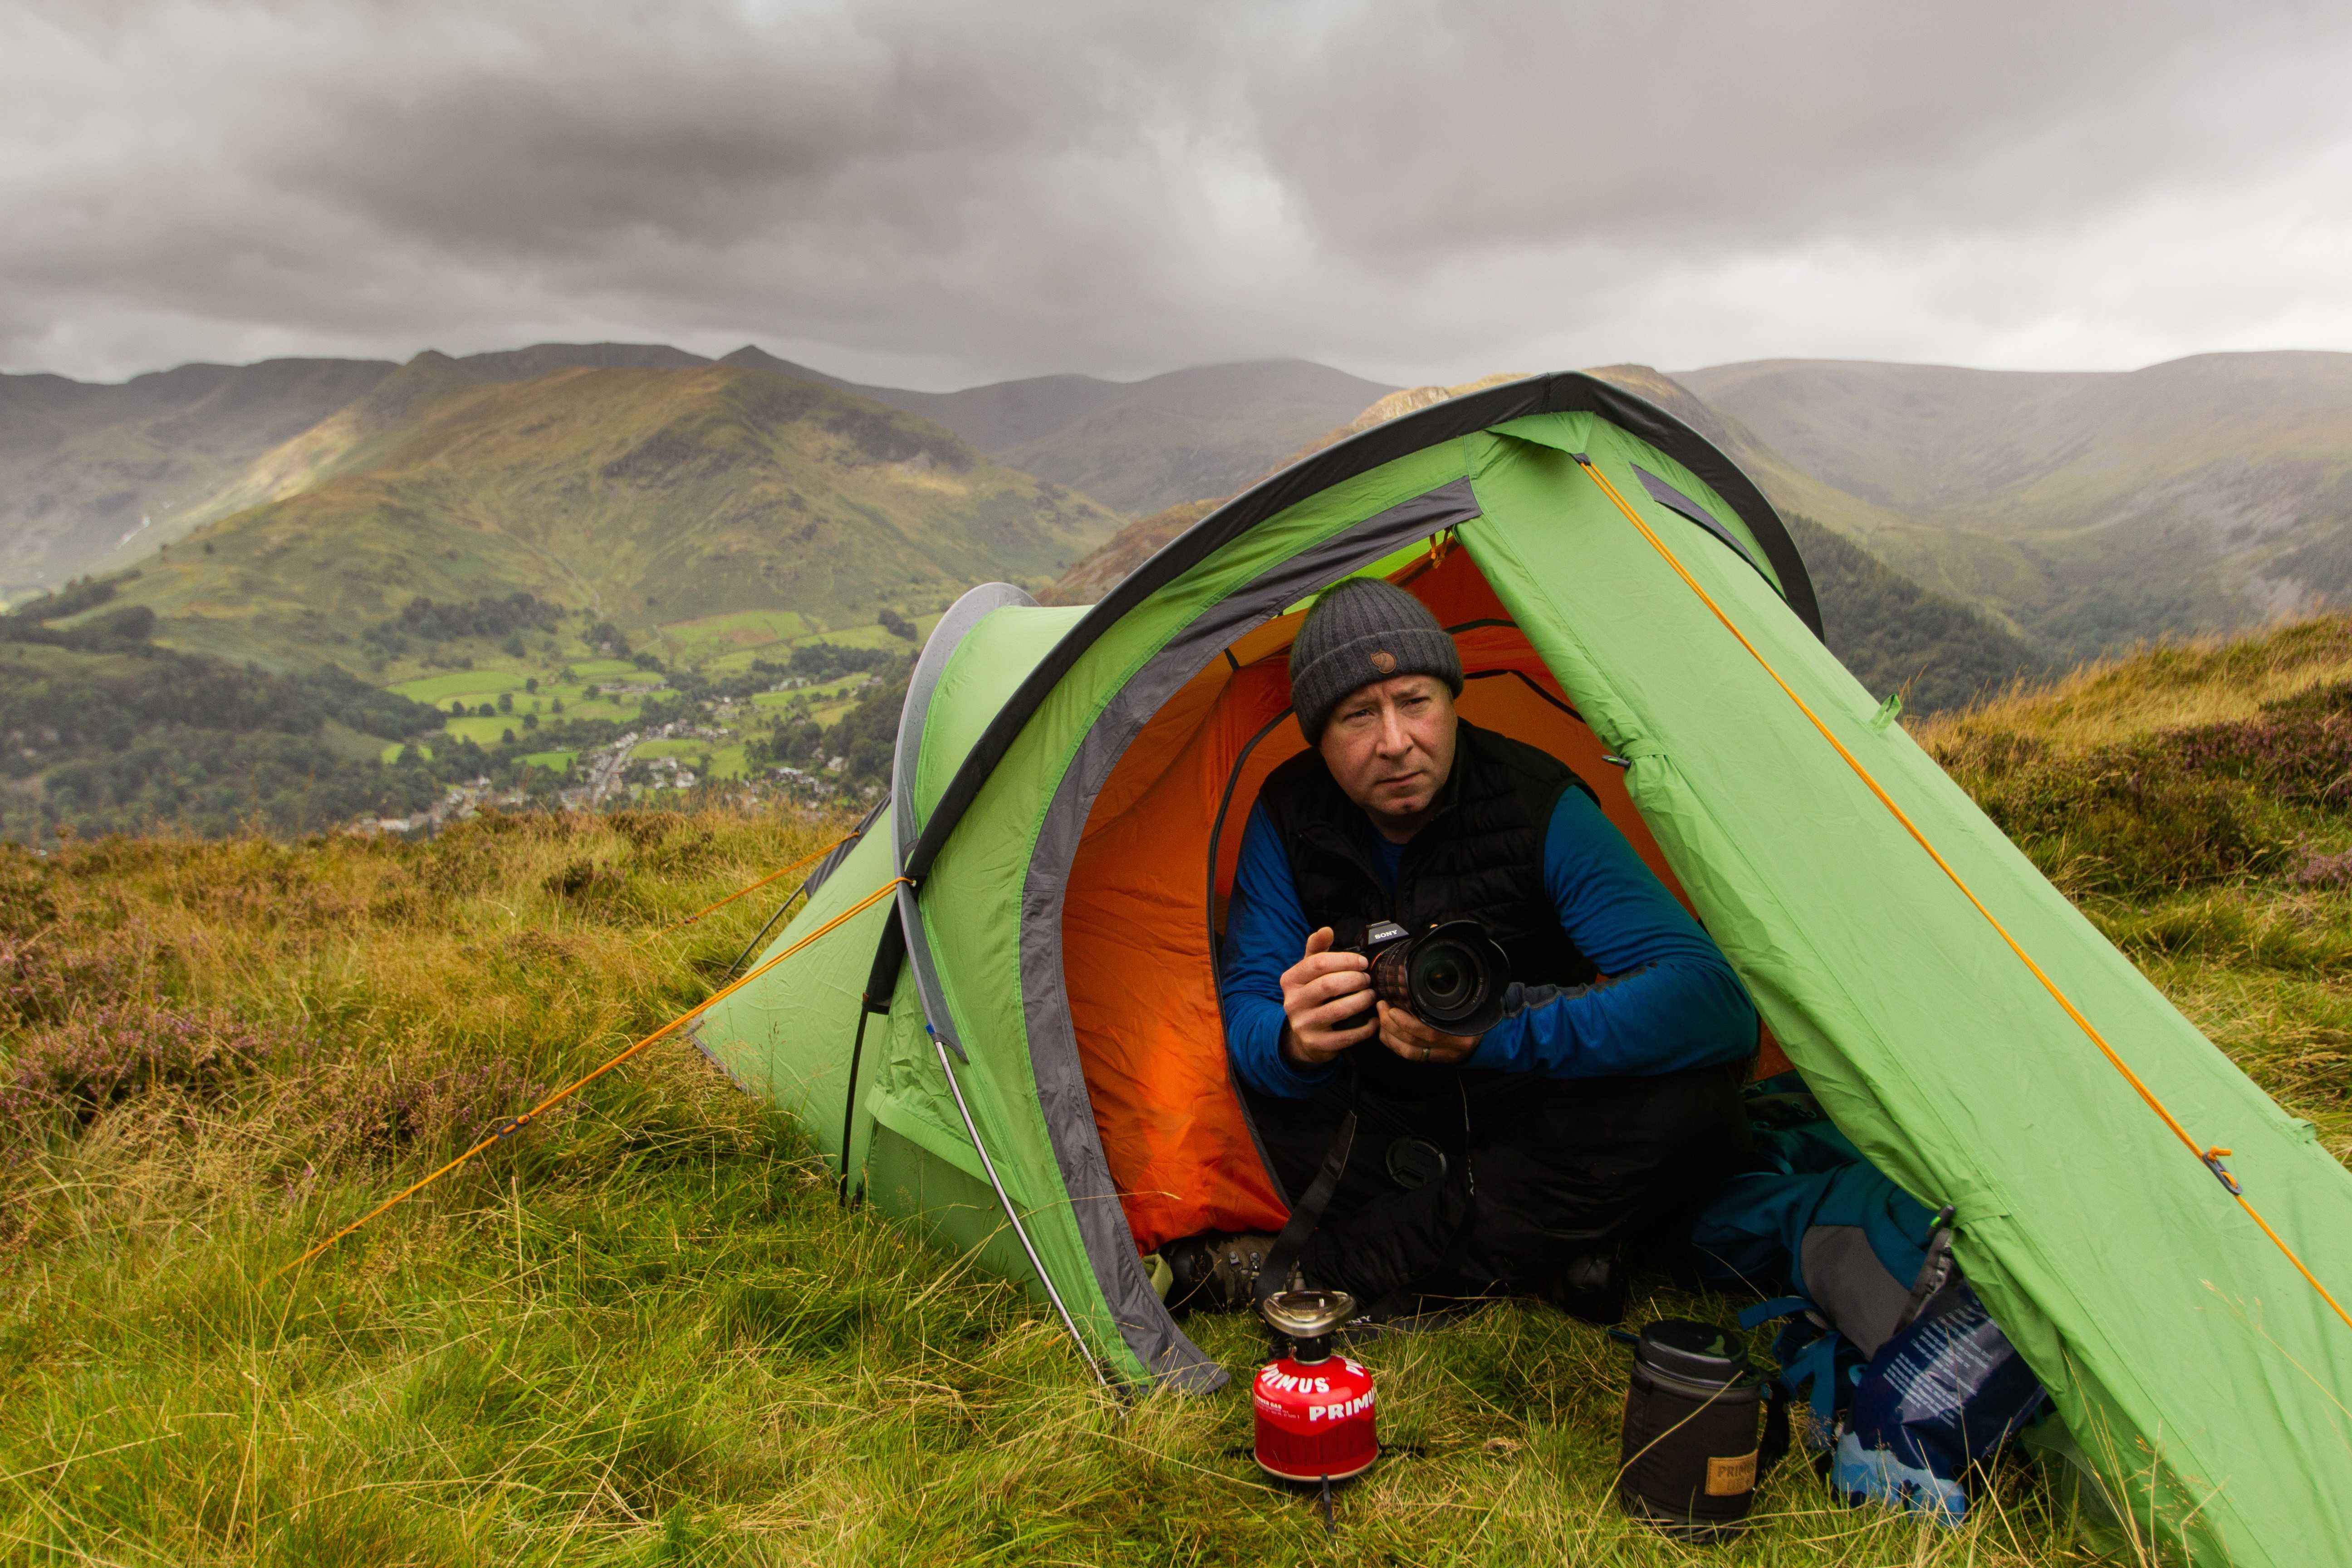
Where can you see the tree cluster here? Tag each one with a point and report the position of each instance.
(122, 734)
(869, 733)
(81, 593)
(499, 619)
(816, 661)
(1895, 635)
(124, 628)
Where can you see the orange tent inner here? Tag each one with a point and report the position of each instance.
(1142, 894)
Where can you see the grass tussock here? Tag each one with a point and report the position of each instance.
(644, 1332)
(2186, 767)
(2199, 680)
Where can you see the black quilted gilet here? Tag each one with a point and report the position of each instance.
(1479, 857)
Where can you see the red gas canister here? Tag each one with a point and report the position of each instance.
(1315, 1410)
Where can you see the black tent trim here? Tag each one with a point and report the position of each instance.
(1561, 392)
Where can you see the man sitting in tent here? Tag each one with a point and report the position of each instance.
(1606, 1100)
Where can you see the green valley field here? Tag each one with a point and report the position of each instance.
(643, 1331)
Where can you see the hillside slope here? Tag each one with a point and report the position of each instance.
(93, 477)
(2093, 510)
(642, 494)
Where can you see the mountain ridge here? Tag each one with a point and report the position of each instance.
(1895, 635)
(642, 494)
(2084, 509)
(71, 453)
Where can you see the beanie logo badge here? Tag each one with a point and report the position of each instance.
(1383, 661)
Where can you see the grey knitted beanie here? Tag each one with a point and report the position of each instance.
(1360, 631)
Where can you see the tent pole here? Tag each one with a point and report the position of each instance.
(849, 1099)
(752, 945)
(1011, 1213)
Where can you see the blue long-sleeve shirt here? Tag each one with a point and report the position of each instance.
(1674, 1001)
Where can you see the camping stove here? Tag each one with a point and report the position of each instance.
(1315, 1418)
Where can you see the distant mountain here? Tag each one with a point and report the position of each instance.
(1138, 446)
(2092, 510)
(1894, 635)
(546, 359)
(992, 418)
(644, 495)
(1192, 433)
(1091, 578)
(94, 475)
(1141, 446)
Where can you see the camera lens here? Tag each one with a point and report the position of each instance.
(1454, 978)
(1441, 975)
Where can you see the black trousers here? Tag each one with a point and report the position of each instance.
(1538, 1171)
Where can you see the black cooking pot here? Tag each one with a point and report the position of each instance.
(1691, 1456)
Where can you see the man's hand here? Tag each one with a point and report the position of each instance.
(1415, 1041)
(1320, 992)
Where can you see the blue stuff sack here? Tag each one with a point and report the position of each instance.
(1937, 1398)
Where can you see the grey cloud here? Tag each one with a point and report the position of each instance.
(946, 193)
(1751, 123)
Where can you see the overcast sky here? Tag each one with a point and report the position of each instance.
(935, 195)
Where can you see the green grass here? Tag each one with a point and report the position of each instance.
(831, 710)
(574, 694)
(474, 685)
(870, 634)
(643, 1331)
(745, 631)
(483, 731)
(602, 707)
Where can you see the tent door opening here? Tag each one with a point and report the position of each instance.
(1154, 869)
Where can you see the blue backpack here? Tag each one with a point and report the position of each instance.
(1909, 1380)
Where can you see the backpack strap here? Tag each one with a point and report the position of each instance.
(1778, 1307)
(1775, 1445)
(1274, 1274)
(1935, 1273)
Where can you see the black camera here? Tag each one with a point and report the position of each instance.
(1451, 976)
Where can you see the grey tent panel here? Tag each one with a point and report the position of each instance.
(1673, 500)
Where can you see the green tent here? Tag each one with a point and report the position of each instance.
(1020, 1047)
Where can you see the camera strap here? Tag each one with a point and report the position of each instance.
(1274, 1274)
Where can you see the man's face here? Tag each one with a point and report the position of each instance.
(1390, 745)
